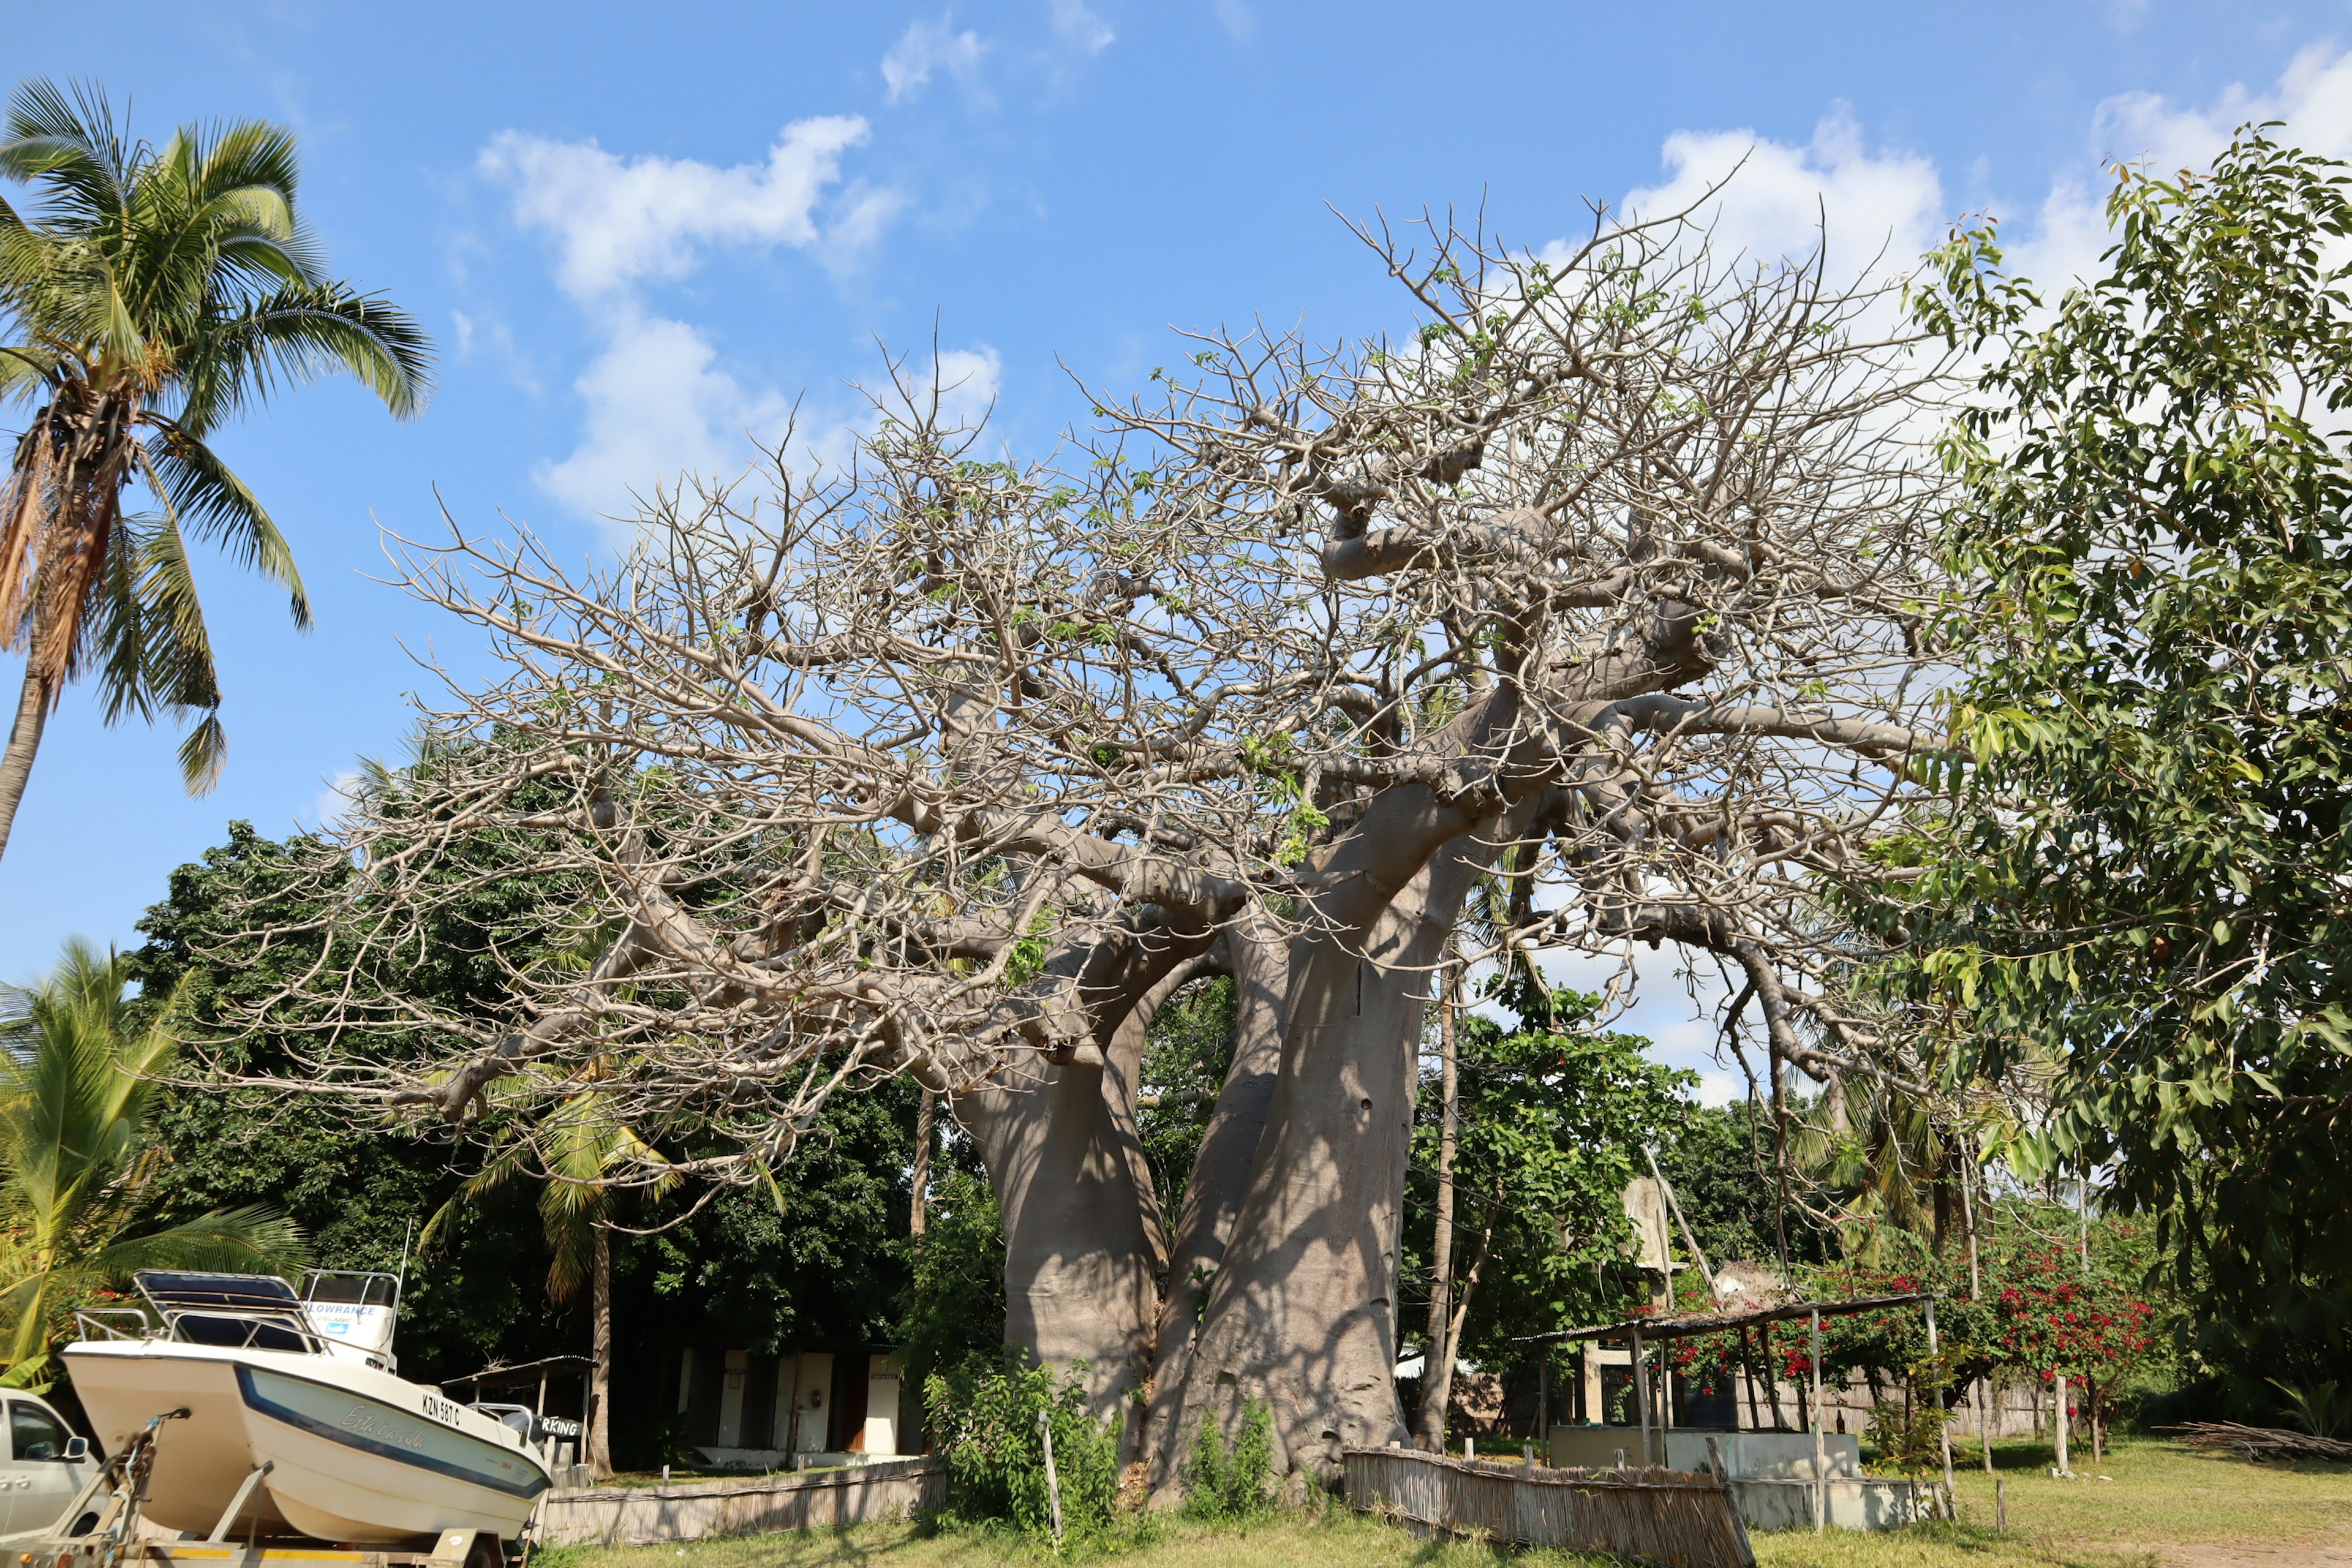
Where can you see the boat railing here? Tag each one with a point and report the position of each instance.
(93, 1324)
(242, 1328)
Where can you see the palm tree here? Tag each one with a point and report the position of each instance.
(158, 293)
(579, 1148)
(78, 1083)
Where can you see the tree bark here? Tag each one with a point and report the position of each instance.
(1259, 955)
(24, 742)
(919, 1179)
(1302, 1314)
(600, 1377)
(1437, 1360)
(1081, 1236)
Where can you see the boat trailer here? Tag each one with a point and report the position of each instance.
(110, 1505)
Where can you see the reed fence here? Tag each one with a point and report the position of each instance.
(1671, 1519)
(688, 1510)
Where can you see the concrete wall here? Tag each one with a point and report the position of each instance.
(622, 1516)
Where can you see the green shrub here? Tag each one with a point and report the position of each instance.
(983, 1416)
(1222, 1485)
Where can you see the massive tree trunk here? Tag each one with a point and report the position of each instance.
(24, 741)
(1258, 954)
(1084, 1248)
(1301, 1314)
(1082, 1241)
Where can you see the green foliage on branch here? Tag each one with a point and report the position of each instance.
(2144, 898)
(79, 1098)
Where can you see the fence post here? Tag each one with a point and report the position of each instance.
(1943, 1423)
(1052, 1483)
(1642, 1395)
(1821, 1443)
(1731, 1501)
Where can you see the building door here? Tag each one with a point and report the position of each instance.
(882, 1406)
(812, 1406)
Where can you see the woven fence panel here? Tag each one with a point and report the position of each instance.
(1671, 1519)
(623, 1516)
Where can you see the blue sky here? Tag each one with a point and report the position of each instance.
(639, 232)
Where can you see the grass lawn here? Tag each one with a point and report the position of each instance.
(2166, 1507)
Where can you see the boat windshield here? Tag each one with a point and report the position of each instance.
(258, 1311)
(354, 1313)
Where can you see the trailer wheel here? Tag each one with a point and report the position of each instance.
(489, 1552)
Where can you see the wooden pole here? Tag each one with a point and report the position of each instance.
(1730, 1499)
(1821, 1441)
(2058, 1415)
(1987, 1391)
(1543, 1398)
(1642, 1395)
(1052, 1482)
(1943, 1427)
(918, 1212)
(1437, 1357)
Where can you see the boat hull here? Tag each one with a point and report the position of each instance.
(358, 1456)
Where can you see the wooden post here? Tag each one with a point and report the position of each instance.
(1642, 1395)
(1821, 1442)
(1052, 1482)
(2058, 1416)
(1543, 1398)
(1731, 1500)
(1987, 1391)
(1943, 1427)
(2000, 1504)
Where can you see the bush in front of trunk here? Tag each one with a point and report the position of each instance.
(984, 1421)
(1224, 1486)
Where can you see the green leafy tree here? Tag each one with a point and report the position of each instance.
(954, 1301)
(575, 1152)
(79, 1093)
(2141, 899)
(1554, 1116)
(360, 1191)
(156, 293)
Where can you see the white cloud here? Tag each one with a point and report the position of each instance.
(1238, 20)
(657, 406)
(1720, 1088)
(1868, 208)
(1081, 28)
(618, 220)
(927, 47)
(655, 401)
(2313, 97)
(327, 808)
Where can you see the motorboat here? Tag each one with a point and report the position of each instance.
(284, 1413)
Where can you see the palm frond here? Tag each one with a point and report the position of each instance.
(210, 501)
(298, 335)
(67, 144)
(26, 370)
(255, 1238)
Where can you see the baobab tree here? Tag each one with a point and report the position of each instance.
(1608, 581)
